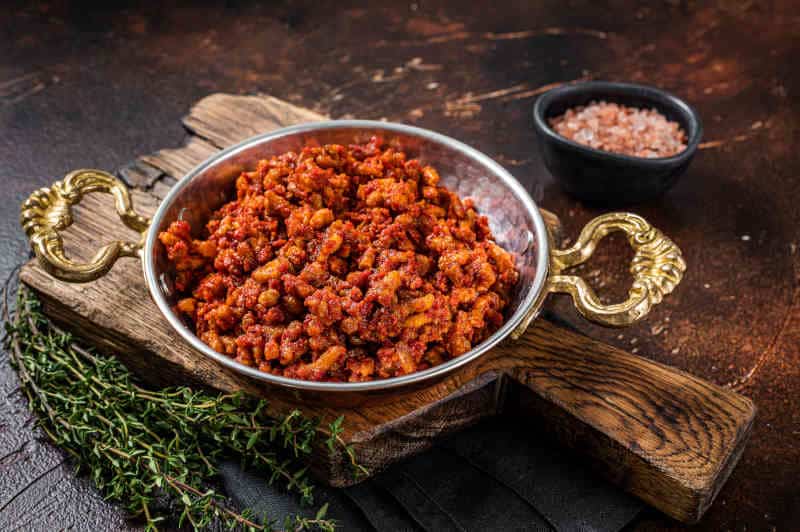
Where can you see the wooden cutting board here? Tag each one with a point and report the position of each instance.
(667, 437)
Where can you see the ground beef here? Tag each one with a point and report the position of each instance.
(341, 263)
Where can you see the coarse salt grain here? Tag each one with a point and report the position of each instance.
(620, 129)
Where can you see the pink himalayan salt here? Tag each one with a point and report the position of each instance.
(620, 129)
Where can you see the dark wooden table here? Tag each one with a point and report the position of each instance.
(84, 87)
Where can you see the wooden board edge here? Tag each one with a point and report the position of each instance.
(727, 465)
(417, 432)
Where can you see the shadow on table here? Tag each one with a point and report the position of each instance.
(498, 475)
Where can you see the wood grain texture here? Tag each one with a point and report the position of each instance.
(224, 119)
(666, 436)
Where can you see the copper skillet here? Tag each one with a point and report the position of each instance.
(517, 223)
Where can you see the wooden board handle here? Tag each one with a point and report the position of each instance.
(666, 436)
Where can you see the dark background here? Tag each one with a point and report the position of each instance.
(85, 86)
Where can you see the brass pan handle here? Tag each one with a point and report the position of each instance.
(49, 210)
(657, 268)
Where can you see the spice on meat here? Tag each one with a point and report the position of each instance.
(342, 263)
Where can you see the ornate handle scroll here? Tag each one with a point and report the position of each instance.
(49, 210)
(657, 268)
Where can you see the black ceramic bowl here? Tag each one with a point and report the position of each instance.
(610, 178)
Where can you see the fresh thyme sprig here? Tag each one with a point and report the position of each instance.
(144, 448)
(334, 439)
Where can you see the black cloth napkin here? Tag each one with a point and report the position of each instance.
(497, 475)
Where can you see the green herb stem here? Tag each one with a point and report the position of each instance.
(154, 450)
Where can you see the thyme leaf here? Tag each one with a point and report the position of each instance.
(155, 452)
